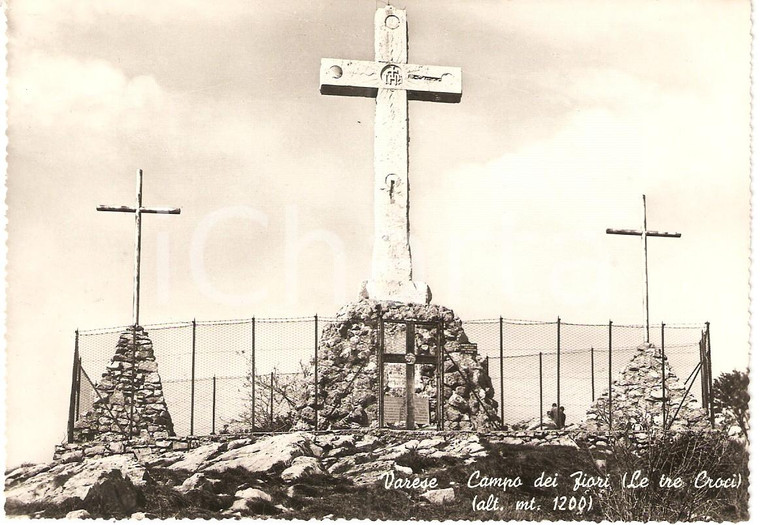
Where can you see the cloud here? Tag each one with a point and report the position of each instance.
(44, 90)
(42, 16)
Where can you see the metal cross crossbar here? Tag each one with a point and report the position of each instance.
(392, 82)
(138, 210)
(644, 233)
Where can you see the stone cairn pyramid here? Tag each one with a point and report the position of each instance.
(637, 399)
(129, 388)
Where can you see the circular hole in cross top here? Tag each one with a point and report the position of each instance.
(336, 71)
(392, 22)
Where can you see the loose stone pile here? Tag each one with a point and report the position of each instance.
(348, 369)
(130, 388)
(637, 399)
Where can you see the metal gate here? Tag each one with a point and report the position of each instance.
(405, 348)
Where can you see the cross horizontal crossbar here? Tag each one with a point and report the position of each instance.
(363, 78)
(419, 359)
(128, 209)
(638, 233)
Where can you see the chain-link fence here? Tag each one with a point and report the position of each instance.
(246, 375)
(535, 364)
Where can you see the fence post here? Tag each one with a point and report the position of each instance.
(710, 377)
(703, 368)
(593, 395)
(381, 374)
(316, 372)
(501, 366)
(213, 405)
(79, 390)
(271, 401)
(664, 399)
(558, 369)
(192, 384)
(609, 379)
(253, 374)
(74, 388)
(541, 390)
(439, 386)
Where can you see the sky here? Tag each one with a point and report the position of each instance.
(571, 110)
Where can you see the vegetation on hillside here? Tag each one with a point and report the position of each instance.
(731, 396)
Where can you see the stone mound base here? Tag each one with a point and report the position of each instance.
(637, 399)
(130, 388)
(348, 369)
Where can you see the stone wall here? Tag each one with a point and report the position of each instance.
(129, 388)
(595, 441)
(637, 399)
(348, 369)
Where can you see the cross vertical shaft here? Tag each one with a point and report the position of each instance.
(644, 233)
(138, 243)
(392, 81)
(391, 237)
(646, 268)
(138, 210)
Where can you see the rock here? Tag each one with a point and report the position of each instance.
(116, 447)
(430, 443)
(104, 485)
(252, 501)
(302, 467)
(192, 460)
(72, 457)
(77, 515)
(253, 495)
(342, 465)
(265, 455)
(346, 440)
(368, 473)
(566, 441)
(512, 441)
(237, 443)
(439, 496)
(138, 516)
(404, 470)
(197, 481)
(239, 505)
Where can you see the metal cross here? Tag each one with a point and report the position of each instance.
(138, 210)
(644, 233)
(392, 82)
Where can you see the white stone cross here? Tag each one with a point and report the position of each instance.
(644, 233)
(392, 82)
(138, 210)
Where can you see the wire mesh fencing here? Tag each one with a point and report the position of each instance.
(249, 375)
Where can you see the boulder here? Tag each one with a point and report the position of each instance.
(109, 486)
(439, 496)
(302, 467)
(191, 461)
(265, 455)
(252, 500)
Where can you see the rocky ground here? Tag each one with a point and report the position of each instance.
(305, 475)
